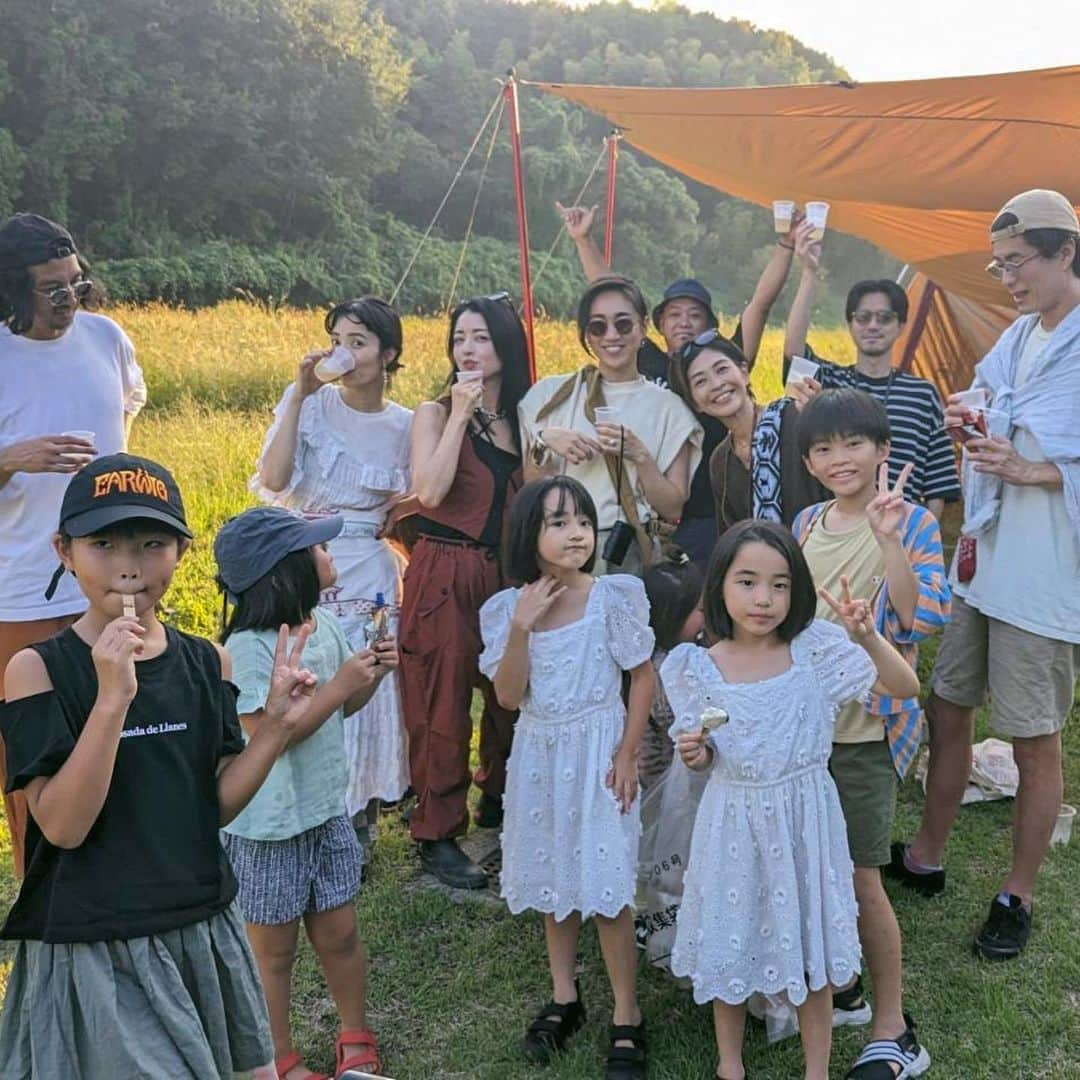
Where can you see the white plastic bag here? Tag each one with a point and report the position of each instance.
(994, 774)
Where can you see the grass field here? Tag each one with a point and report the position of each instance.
(454, 983)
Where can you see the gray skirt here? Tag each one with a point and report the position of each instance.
(184, 1004)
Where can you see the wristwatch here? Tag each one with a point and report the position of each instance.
(540, 451)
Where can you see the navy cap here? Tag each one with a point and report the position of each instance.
(685, 289)
(251, 544)
(30, 239)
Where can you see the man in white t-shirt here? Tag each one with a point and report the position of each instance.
(69, 388)
(1015, 629)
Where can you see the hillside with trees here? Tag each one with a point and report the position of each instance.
(295, 150)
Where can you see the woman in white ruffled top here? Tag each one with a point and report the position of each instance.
(341, 447)
(768, 898)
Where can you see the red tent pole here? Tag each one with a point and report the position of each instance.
(609, 216)
(511, 94)
(918, 325)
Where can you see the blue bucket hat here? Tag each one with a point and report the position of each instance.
(685, 289)
(251, 544)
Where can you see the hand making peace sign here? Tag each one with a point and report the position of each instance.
(291, 686)
(856, 615)
(885, 511)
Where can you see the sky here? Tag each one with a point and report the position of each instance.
(919, 39)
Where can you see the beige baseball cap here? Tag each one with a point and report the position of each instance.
(1037, 209)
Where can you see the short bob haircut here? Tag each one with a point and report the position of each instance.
(842, 414)
(1047, 242)
(511, 347)
(679, 366)
(673, 586)
(17, 297)
(599, 286)
(287, 594)
(379, 317)
(898, 301)
(803, 597)
(527, 521)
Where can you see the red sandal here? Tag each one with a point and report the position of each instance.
(282, 1066)
(362, 1064)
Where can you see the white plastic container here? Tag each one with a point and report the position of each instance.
(340, 362)
(1063, 827)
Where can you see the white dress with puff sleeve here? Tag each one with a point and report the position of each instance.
(768, 898)
(566, 846)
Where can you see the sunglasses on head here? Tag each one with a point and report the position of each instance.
(690, 350)
(597, 326)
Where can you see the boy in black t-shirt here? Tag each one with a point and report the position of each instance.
(684, 312)
(123, 733)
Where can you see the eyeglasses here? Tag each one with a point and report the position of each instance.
(882, 318)
(690, 350)
(598, 326)
(998, 270)
(58, 294)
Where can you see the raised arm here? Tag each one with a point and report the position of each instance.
(276, 463)
(756, 313)
(436, 442)
(512, 677)
(66, 804)
(579, 222)
(808, 252)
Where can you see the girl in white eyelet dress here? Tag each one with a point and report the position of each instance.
(557, 649)
(342, 448)
(768, 901)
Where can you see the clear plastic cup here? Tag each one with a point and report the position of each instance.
(976, 398)
(476, 375)
(340, 362)
(80, 455)
(607, 414)
(79, 433)
(783, 211)
(801, 368)
(817, 214)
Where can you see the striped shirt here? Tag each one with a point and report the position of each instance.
(917, 421)
(903, 717)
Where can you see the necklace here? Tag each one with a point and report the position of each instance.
(489, 416)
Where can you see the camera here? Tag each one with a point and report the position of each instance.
(618, 542)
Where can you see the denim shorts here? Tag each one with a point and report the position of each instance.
(281, 880)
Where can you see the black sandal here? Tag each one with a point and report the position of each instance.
(554, 1024)
(626, 1062)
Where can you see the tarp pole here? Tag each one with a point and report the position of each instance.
(609, 212)
(918, 325)
(510, 91)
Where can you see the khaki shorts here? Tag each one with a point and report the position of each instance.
(1030, 678)
(867, 783)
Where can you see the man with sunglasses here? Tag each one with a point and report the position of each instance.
(876, 312)
(69, 388)
(685, 312)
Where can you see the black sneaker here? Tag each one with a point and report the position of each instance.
(489, 812)
(451, 865)
(929, 884)
(1006, 930)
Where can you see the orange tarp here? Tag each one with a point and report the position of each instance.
(918, 168)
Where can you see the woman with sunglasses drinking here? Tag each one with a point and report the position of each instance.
(756, 471)
(338, 446)
(466, 468)
(631, 443)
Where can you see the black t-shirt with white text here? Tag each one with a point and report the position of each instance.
(152, 860)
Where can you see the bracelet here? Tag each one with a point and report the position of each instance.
(790, 247)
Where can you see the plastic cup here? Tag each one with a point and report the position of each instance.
(976, 398)
(475, 375)
(817, 213)
(1062, 833)
(607, 414)
(89, 436)
(783, 211)
(801, 368)
(340, 362)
